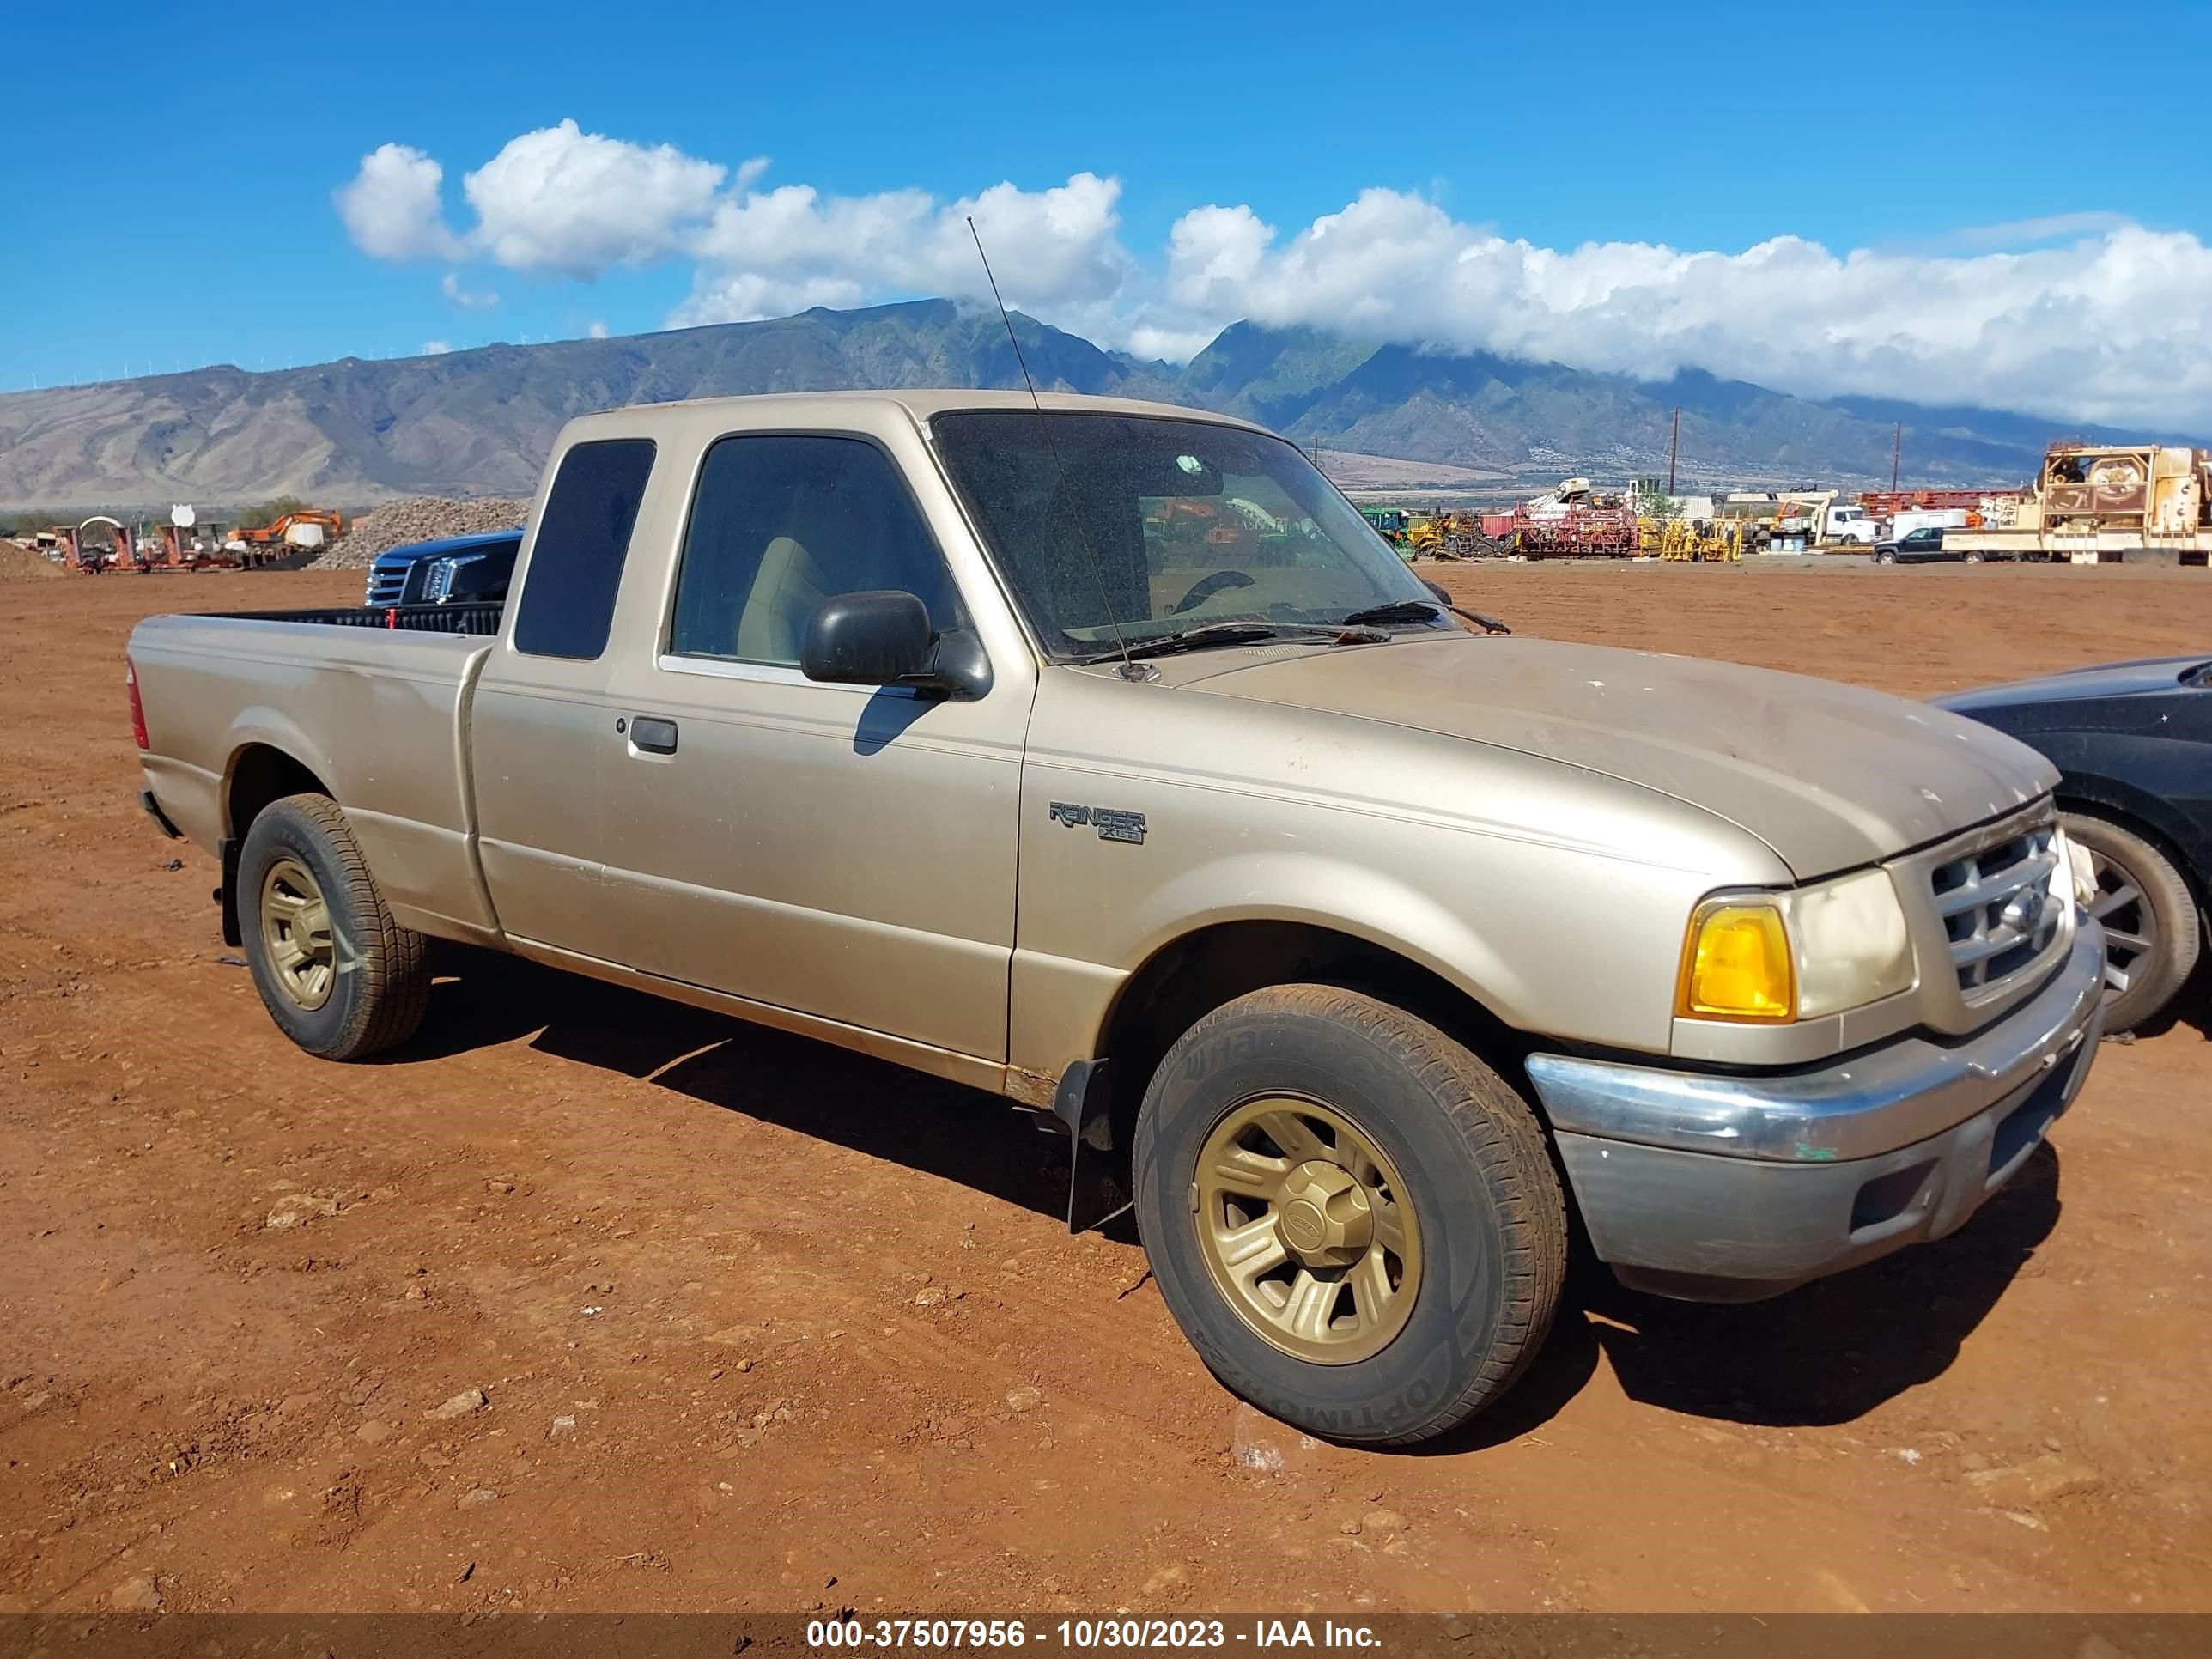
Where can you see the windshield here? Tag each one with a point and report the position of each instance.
(1151, 527)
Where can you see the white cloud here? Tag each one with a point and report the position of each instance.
(575, 202)
(598, 330)
(1213, 252)
(2084, 316)
(2019, 233)
(770, 252)
(391, 206)
(1171, 344)
(745, 297)
(435, 347)
(2110, 323)
(451, 286)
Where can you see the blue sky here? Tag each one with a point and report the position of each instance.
(1479, 146)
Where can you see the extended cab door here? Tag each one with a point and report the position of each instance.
(540, 730)
(846, 852)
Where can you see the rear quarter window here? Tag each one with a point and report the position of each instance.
(576, 564)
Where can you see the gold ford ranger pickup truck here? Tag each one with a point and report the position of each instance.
(1099, 755)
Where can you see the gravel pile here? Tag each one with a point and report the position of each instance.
(419, 519)
(22, 564)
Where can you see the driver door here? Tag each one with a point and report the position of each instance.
(843, 851)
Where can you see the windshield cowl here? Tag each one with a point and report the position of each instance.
(1243, 633)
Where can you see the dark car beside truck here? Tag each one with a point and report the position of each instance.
(2133, 744)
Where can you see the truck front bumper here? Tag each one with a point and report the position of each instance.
(1729, 1188)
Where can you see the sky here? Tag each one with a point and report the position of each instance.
(1829, 199)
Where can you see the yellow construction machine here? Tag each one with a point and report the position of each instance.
(1691, 541)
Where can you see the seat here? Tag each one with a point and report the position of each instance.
(786, 590)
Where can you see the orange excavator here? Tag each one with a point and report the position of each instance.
(275, 538)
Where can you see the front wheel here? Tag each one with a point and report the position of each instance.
(1883, 555)
(2150, 916)
(1353, 1219)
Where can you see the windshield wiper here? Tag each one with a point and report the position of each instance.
(1234, 632)
(1407, 610)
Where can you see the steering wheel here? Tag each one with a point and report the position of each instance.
(1208, 588)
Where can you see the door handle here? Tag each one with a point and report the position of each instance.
(652, 736)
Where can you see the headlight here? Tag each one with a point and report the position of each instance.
(1771, 957)
(1852, 946)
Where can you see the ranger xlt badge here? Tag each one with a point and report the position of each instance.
(1113, 825)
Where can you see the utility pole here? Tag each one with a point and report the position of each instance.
(1673, 448)
(1896, 455)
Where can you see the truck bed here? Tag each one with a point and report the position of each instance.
(369, 700)
(480, 617)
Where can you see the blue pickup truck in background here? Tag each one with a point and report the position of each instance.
(457, 568)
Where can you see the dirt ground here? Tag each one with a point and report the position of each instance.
(759, 1325)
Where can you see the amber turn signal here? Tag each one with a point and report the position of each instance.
(1736, 964)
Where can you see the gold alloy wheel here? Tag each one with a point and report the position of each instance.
(296, 931)
(1305, 1230)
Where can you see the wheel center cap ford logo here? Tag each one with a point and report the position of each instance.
(1303, 1229)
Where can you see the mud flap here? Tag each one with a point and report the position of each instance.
(1084, 1102)
(226, 895)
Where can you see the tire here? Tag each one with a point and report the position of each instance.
(1460, 1177)
(1882, 556)
(307, 902)
(1971, 557)
(2153, 931)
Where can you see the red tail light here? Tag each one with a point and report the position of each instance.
(137, 710)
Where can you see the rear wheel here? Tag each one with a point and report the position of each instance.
(2152, 931)
(336, 973)
(1971, 557)
(1353, 1219)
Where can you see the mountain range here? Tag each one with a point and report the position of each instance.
(480, 422)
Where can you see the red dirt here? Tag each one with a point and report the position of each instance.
(753, 1315)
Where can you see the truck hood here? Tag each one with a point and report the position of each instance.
(1829, 776)
(2117, 679)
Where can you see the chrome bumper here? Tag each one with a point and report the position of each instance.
(1733, 1187)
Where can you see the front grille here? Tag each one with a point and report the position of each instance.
(1998, 909)
(388, 584)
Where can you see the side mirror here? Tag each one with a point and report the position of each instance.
(884, 637)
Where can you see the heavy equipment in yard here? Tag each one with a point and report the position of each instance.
(1452, 535)
(1365, 956)
(99, 543)
(170, 546)
(1692, 541)
(304, 530)
(1392, 524)
(2103, 504)
(1573, 521)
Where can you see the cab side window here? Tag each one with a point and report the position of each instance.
(576, 563)
(781, 523)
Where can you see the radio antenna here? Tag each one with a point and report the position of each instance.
(1130, 668)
